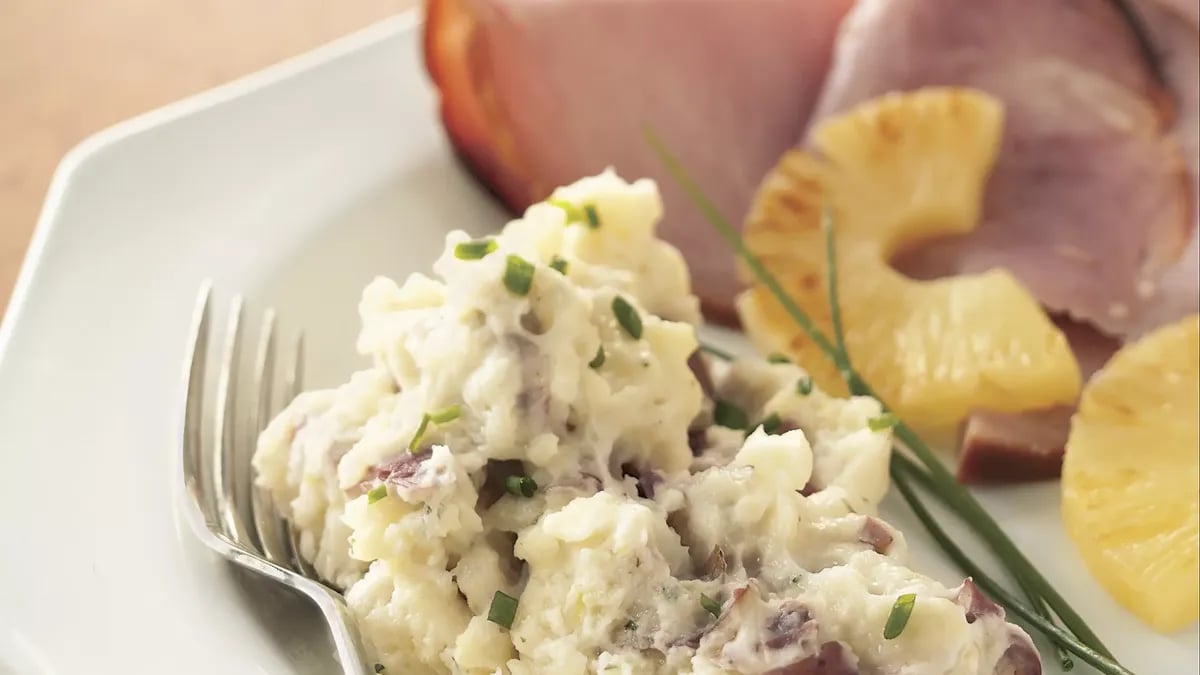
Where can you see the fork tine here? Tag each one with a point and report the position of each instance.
(264, 373)
(296, 558)
(193, 424)
(266, 522)
(224, 432)
(293, 385)
(295, 382)
(214, 520)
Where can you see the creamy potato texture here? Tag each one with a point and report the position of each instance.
(537, 421)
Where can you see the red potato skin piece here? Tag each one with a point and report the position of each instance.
(833, 658)
(473, 125)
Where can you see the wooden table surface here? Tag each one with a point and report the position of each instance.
(69, 68)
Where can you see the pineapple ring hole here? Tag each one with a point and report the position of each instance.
(927, 259)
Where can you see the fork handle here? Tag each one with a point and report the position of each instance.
(343, 628)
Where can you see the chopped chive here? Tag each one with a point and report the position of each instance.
(474, 249)
(804, 386)
(884, 421)
(898, 618)
(378, 492)
(776, 357)
(559, 265)
(520, 486)
(437, 417)
(728, 415)
(628, 317)
(420, 433)
(445, 415)
(593, 218)
(711, 606)
(379, 668)
(574, 213)
(598, 359)
(518, 275)
(631, 625)
(503, 609)
(771, 423)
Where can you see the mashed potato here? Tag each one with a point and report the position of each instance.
(539, 473)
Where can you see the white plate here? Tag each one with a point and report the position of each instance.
(296, 186)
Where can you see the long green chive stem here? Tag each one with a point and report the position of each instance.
(946, 487)
(841, 357)
(1037, 602)
(958, 497)
(843, 363)
(1032, 583)
(901, 471)
(888, 420)
(716, 351)
(1064, 655)
(713, 215)
(954, 495)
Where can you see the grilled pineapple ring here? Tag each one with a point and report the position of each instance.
(895, 171)
(1131, 476)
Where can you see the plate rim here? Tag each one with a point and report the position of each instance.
(93, 144)
(64, 183)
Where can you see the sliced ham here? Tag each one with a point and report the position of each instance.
(538, 93)
(1014, 447)
(1189, 10)
(1174, 28)
(1087, 203)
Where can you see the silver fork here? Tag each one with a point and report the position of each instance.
(219, 495)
